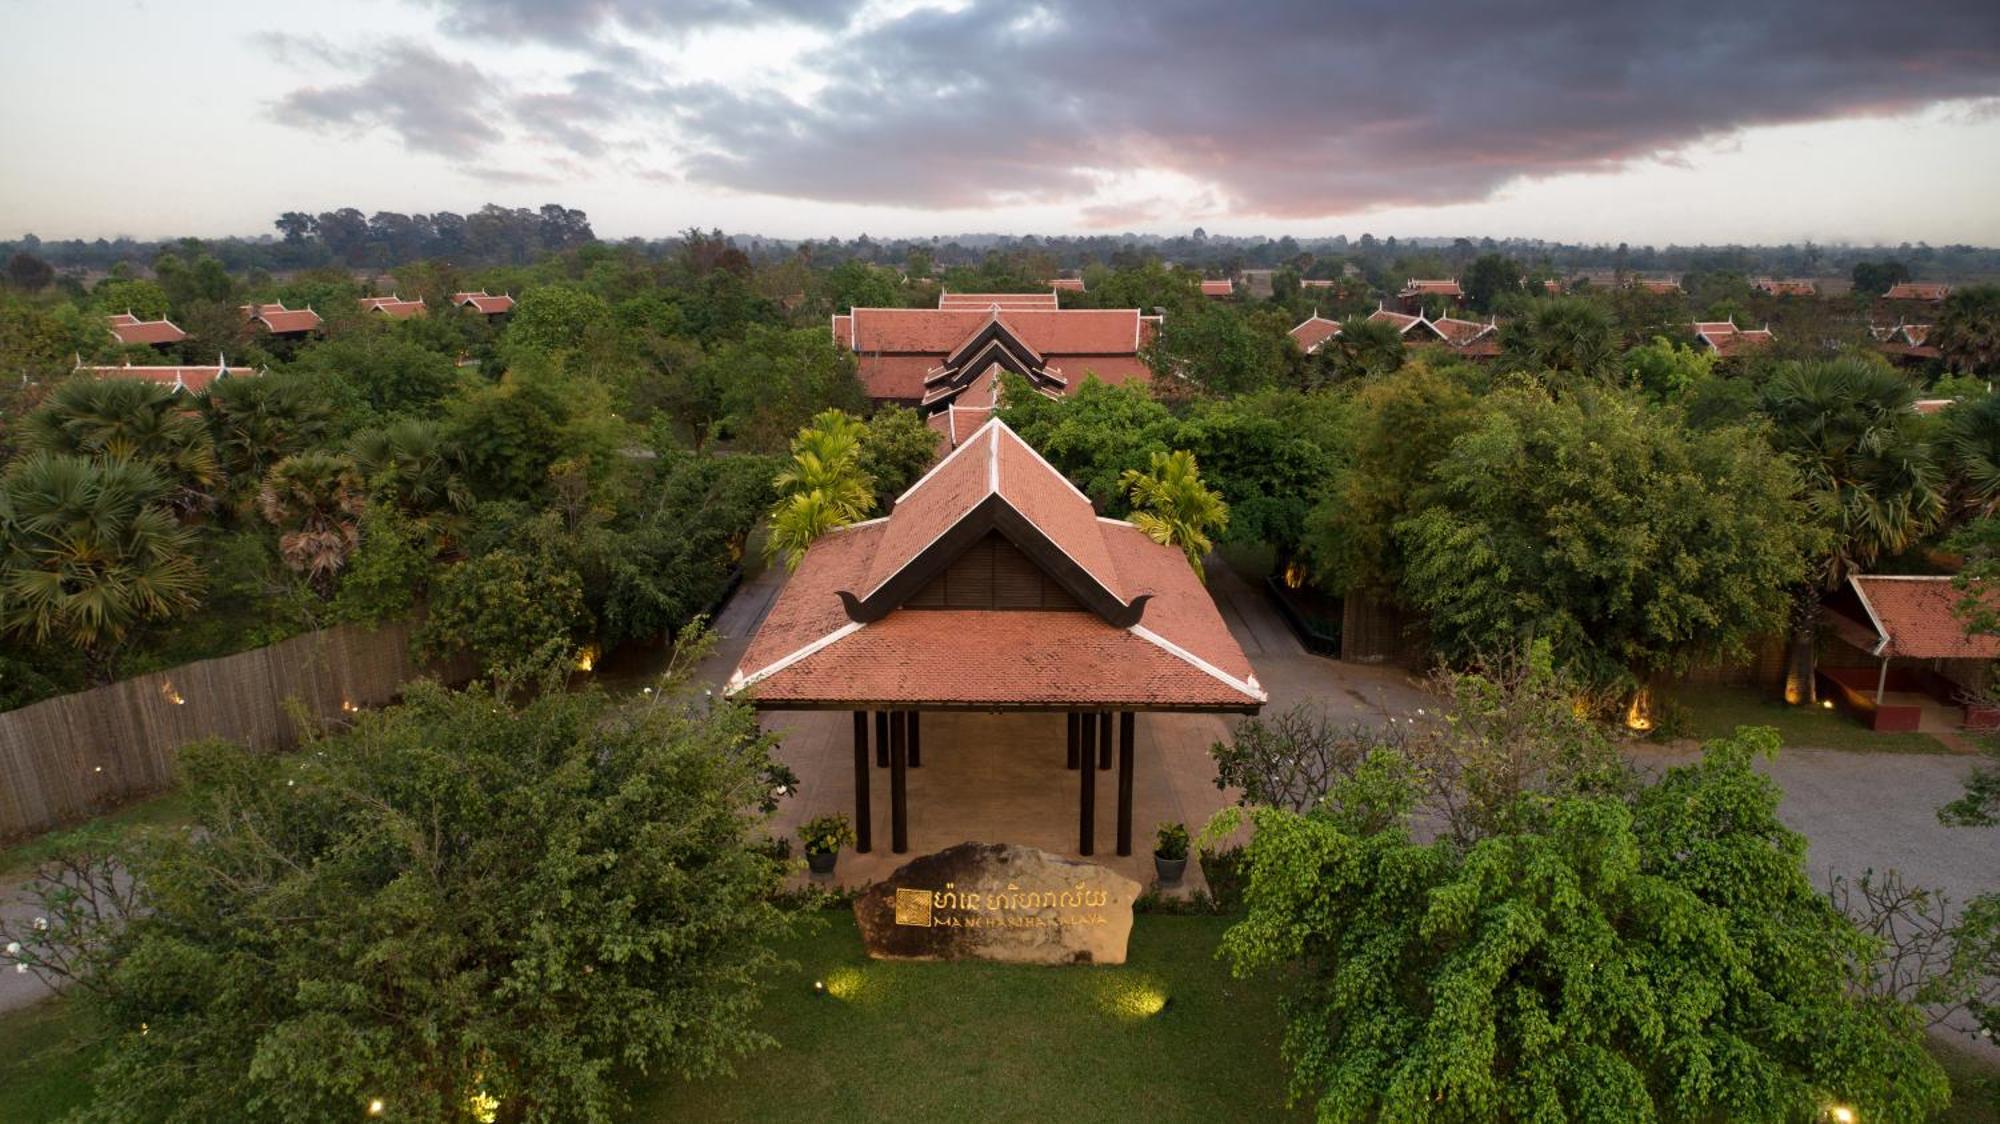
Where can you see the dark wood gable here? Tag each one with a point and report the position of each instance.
(993, 573)
(995, 331)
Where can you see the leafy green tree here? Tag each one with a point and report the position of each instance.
(315, 501)
(1488, 278)
(508, 437)
(1571, 336)
(671, 559)
(773, 381)
(1218, 350)
(256, 422)
(374, 377)
(389, 569)
(857, 284)
(896, 449)
(1867, 475)
(460, 908)
(1364, 349)
(1629, 955)
(508, 611)
(822, 488)
(1631, 544)
(1873, 278)
(89, 551)
(552, 318)
(1667, 371)
(144, 299)
(130, 420)
(1174, 508)
(1967, 333)
(410, 464)
(28, 272)
(1093, 434)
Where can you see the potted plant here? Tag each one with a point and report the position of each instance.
(824, 836)
(1170, 851)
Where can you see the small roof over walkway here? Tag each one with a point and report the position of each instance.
(1914, 617)
(995, 586)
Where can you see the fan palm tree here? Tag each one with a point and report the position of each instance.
(315, 500)
(1868, 477)
(1968, 331)
(823, 488)
(1971, 440)
(1174, 508)
(1364, 348)
(411, 464)
(255, 423)
(89, 551)
(132, 420)
(1572, 335)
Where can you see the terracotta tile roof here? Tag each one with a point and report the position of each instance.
(1396, 320)
(1067, 284)
(1787, 287)
(897, 377)
(489, 304)
(843, 327)
(1917, 291)
(990, 301)
(1074, 331)
(1314, 331)
(1656, 285)
(1916, 618)
(1180, 654)
(1416, 288)
(1460, 333)
(394, 307)
(191, 379)
(1110, 369)
(1218, 289)
(129, 329)
(282, 321)
(1727, 340)
(1933, 405)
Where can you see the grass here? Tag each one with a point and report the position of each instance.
(167, 810)
(1975, 1082)
(908, 1041)
(1712, 712)
(46, 1054)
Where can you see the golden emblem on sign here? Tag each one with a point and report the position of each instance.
(913, 907)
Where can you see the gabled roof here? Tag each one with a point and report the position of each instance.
(1147, 637)
(1727, 340)
(1396, 320)
(1218, 288)
(1440, 288)
(1786, 287)
(1067, 285)
(1917, 291)
(1070, 331)
(991, 301)
(1314, 331)
(190, 379)
(394, 307)
(1461, 333)
(129, 329)
(1656, 284)
(1917, 618)
(282, 321)
(489, 304)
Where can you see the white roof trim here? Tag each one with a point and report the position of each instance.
(939, 466)
(1247, 686)
(1873, 618)
(1043, 461)
(739, 681)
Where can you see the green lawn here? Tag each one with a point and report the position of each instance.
(167, 810)
(899, 1041)
(45, 1059)
(1713, 712)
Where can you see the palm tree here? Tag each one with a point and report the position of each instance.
(1971, 439)
(1174, 508)
(1968, 331)
(315, 500)
(88, 551)
(255, 423)
(823, 488)
(1573, 335)
(411, 464)
(132, 420)
(1364, 348)
(1867, 476)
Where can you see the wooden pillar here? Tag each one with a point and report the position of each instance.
(1104, 740)
(1882, 681)
(1126, 725)
(1086, 824)
(881, 739)
(916, 746)
(862, 820)
(899, 793)
(1070, 720)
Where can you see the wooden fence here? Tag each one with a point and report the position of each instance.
(66, 758)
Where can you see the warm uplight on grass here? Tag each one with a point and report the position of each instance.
(376, 1106)
(1136, 999)
(484, 1107)
(586, 659)
(1841, 1114)
(841, 983)
(1826, 704)
(347, 706)
(1639, 716)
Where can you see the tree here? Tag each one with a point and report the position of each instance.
(1294, 759)
(1631, 544)
(380, 375)
(1607, 955)
(823, 487)
(1216, 349)
(256, 422)
(896, 449)
(1968, 331)
(1667, 371)
(509, 611)
(315, 501)
(1174, 508)
(1866, 475)
(411, 465)
(773, 381)
(1572, 336)
(131, 420)
(89, 551)
(1875, 278)
(508, 436)
(1971, 447)
(26, 271)
(1364, 349)
(551, 318)
(463, 908)
(1488, 278)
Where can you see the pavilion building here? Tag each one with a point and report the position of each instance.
(1728, 341)
(490, 305)
(183, 379)
(281, 321)
(1469, 338)
(394, 307)
(991, 594)
(129, 330)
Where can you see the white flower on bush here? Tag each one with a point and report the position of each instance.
(13, 948)
(41, 924)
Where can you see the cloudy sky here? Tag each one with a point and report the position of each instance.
(1770, 120)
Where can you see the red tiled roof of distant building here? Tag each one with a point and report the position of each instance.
(813, 650)
(1075, 331)
(1917, 291)
(483, 302)
(1419, 288)
(1218, 288)
(1111, 370)
(1552, 287)
(1067, 284)
(394, 307)
(1461, 333)
(1657, 285)
(990, 301)
(1313, 331)
(1727, 340)
(282, 321)
(1787, 287)
(129, 329)
(1397, 320)
(1933, 405)
(193, 379)
(1317, 283)
(1917, 618)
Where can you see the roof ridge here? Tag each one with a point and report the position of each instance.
(1249, 687)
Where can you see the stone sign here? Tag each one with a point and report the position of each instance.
(998, 901)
